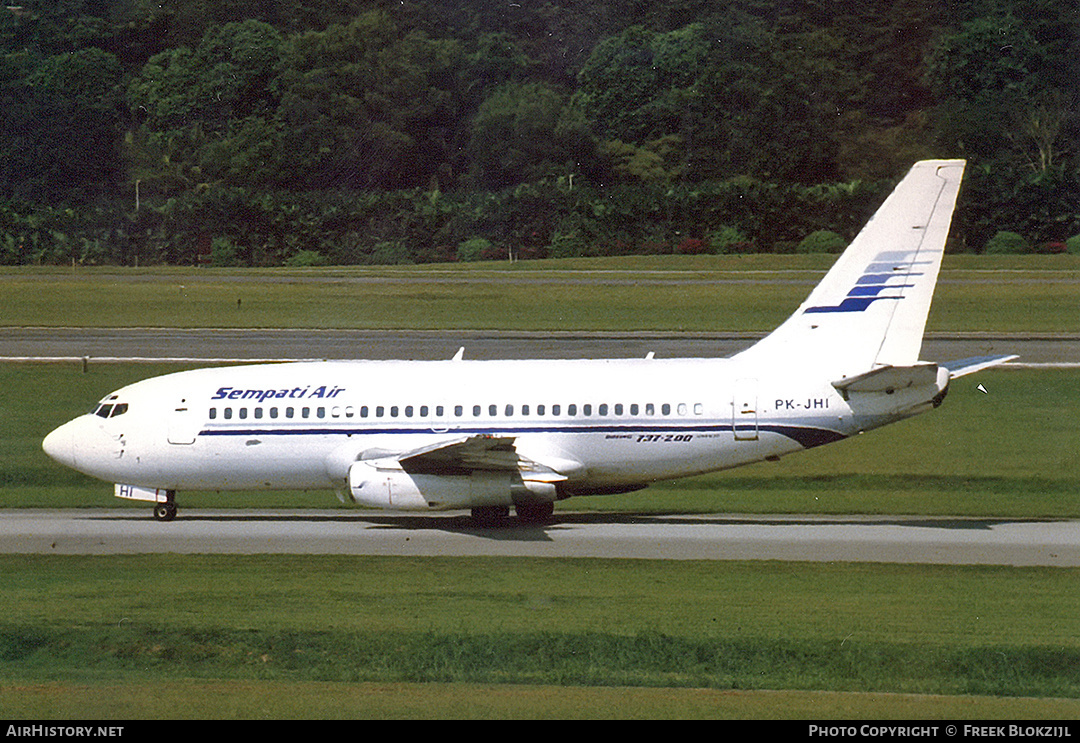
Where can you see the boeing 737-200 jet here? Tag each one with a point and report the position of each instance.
(491, 435)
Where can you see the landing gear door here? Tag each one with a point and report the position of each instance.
(744, 411)
(183, 424)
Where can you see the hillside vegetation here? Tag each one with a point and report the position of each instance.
(236, 132)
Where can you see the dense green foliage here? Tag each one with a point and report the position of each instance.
(362, 131)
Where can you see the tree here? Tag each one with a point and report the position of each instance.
(60, 140)
(1008, 101)
(996, 86)
(207, 114)
(639, 85)
(228, 76)
(368, 105)
(521, 132)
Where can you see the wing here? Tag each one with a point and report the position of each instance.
(467, 454)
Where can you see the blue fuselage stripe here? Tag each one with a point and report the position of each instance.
(805, 435)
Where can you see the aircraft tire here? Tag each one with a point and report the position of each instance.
(165, 511)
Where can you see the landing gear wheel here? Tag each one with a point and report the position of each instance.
(490, 515)
(165, 511)
(534, 513)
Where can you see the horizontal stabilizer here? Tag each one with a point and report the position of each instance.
(963, 367)
(889, 379)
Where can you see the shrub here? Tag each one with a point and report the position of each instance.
(821, 241)
(1051, 248)
(1072, 245)
(568, 245)
(691, 246)
(224, 253)
(390, 253)
(473, 249)
(306, 259)
(728, 240)
(1007, 243)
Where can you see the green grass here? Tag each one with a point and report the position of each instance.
(751, 293)
(363, 635)
(186, 699)
(127, 621)
(163, 636)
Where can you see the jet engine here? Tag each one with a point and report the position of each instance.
(384, 484)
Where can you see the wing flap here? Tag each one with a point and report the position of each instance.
(469, 454)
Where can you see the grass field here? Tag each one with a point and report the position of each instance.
(885, 640)
(351, 637)
(691, 293)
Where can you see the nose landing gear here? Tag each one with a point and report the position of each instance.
(166, 510)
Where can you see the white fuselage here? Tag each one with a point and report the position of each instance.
(602, 426)
(489, 434)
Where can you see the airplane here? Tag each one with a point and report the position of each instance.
(489, 436)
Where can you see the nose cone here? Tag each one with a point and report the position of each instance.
(60, 444)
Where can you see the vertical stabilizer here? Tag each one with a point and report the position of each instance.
(870, 309)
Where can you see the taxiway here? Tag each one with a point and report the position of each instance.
(892, 539)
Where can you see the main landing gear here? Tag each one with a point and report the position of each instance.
(166, 510)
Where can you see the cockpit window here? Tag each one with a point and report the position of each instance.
(107, 408)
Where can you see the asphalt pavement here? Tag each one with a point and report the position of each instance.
(224, 345)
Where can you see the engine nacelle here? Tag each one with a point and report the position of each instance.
(383, 484)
